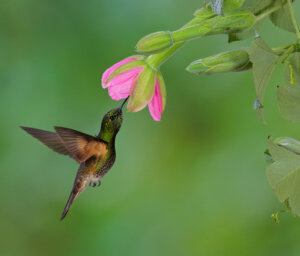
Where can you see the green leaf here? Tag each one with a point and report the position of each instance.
(292, 69)
(263, 60)
(231, 5)
(220, 6)
(289, 97)
(284, 176)
(257, 6)
(289, 102)
(204, 13)
(267, 156)
(282, 18)
(233, 37)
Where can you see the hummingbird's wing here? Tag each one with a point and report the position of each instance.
(50, 139)
(80, 145)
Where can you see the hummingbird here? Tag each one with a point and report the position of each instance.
(95, 154)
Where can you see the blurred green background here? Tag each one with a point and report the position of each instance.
(192, 184)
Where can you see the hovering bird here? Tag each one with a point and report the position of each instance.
(96, 154)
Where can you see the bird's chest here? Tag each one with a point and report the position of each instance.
(104, 167)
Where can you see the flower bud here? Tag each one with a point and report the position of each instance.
(231, 61)
(289, 144)
(231, 23)
(155, 42)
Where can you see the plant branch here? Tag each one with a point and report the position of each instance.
(268, 12)
(294, 20)
(283, 50)
(158, 59)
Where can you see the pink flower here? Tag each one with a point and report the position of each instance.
(133, 76)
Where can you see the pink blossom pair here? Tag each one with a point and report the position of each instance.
(133, 76)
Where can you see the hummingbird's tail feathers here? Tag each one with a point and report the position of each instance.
(69, 203)
(50, 139)
(80, 145)
(80, 183)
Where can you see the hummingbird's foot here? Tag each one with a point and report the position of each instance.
(94, 184)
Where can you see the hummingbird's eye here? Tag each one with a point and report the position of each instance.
(112, 118)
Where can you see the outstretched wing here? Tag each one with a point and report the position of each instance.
(81, 146)
(78, 145)
(50, 139)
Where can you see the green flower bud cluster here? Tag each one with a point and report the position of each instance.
(233, 22)
(231, 61)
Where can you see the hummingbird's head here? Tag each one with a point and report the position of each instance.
(112, 120)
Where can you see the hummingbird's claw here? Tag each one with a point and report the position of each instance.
(94, 184)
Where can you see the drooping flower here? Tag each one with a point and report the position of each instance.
(135, 77)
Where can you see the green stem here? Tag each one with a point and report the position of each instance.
(156, 60)
(274, 216)
(198, 27)
(282, 50)
(287, 52)
(294, 20)
(268, 12)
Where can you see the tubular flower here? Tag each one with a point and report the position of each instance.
(134, 77)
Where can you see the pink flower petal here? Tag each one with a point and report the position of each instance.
(109, 71)
(123, 77)
(155, 105)
(121, 91)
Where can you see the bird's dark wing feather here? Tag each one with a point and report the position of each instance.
(50, 139)
(80, 145)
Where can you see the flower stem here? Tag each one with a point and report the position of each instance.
(156, 60)
(294, 20)
(282, 50)
(268, 12)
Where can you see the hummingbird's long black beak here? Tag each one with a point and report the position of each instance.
(123, 103)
